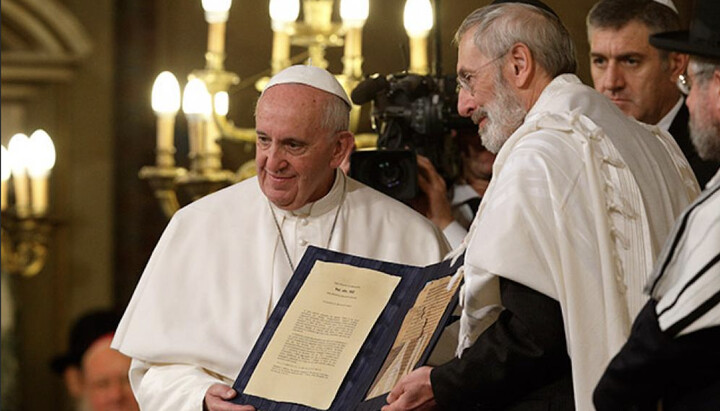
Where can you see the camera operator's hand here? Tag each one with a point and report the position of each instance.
(438, 208)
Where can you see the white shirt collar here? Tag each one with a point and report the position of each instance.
(666, 121)
(463, 193)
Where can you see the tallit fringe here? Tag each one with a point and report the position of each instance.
(614, 203)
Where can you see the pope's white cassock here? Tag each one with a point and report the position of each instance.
(220, 267)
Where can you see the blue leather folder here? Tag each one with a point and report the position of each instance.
(354, 388)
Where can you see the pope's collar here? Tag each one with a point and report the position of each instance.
(325, 204)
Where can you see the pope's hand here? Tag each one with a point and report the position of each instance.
(216, 396)
(413, 392)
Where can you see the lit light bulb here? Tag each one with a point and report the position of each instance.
(196, 99)
(222, 103)
(283, 12)
(19, 150)
(42, 159)
(5, 164)
(166, 94)
(418, 17)
(216, 11)
(354, 12)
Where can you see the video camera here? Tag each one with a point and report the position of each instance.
(412, 114)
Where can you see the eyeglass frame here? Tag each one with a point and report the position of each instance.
(465, 78)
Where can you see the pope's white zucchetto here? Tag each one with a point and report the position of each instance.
(312, 76)
(668, 3)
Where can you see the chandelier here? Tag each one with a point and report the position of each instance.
(25, 226)
(205, 98)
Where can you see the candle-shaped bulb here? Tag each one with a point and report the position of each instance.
(216, 11)
(41, 162)
(165, 103)
(418, 18)
(197, 105)
(222, 103)
(5, 164)
(196, 99)
(354, 13)
(166, 94)
(283, 12)
(19, 150)
(43, 154)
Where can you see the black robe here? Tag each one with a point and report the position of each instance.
(682, 371)
(519, 363)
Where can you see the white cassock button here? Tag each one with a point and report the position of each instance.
(304, 221)
(303, 242)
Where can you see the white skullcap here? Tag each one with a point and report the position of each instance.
(312, 76)
(668, 3)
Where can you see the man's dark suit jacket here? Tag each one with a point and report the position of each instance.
(520, 363)
(704, 170)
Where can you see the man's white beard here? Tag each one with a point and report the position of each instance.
(705, 134)
(504, 115)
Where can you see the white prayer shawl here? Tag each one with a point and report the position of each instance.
(686, 281)
(219, 269)
(581, 200)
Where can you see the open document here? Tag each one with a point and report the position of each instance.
(345, 330)
(415, 334)
(321, 334)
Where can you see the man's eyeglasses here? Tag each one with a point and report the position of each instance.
(465, 79)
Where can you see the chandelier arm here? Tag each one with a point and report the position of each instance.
(163, 181)
(24, 244)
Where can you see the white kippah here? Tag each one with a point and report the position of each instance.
(668, 3)
(312, 76)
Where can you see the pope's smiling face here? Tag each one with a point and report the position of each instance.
(296, 156)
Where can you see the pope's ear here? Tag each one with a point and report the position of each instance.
(343, 147)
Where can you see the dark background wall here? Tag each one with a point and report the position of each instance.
(104, 131)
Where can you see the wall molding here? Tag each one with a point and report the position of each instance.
(42, 43)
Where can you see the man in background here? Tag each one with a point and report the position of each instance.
(95, 375)
(637, 77)
(672, 353)
(453, 210)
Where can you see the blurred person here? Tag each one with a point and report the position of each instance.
(581, 200)
(453, 210)
(672, 353)
(639, 78)
(95, 375)
(224, 261)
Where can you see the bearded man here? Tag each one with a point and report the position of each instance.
(672, 354)
(582, 198)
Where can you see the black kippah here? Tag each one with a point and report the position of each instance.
(536, 3)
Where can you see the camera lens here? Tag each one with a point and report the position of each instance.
(390, 175)
(393, 172)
